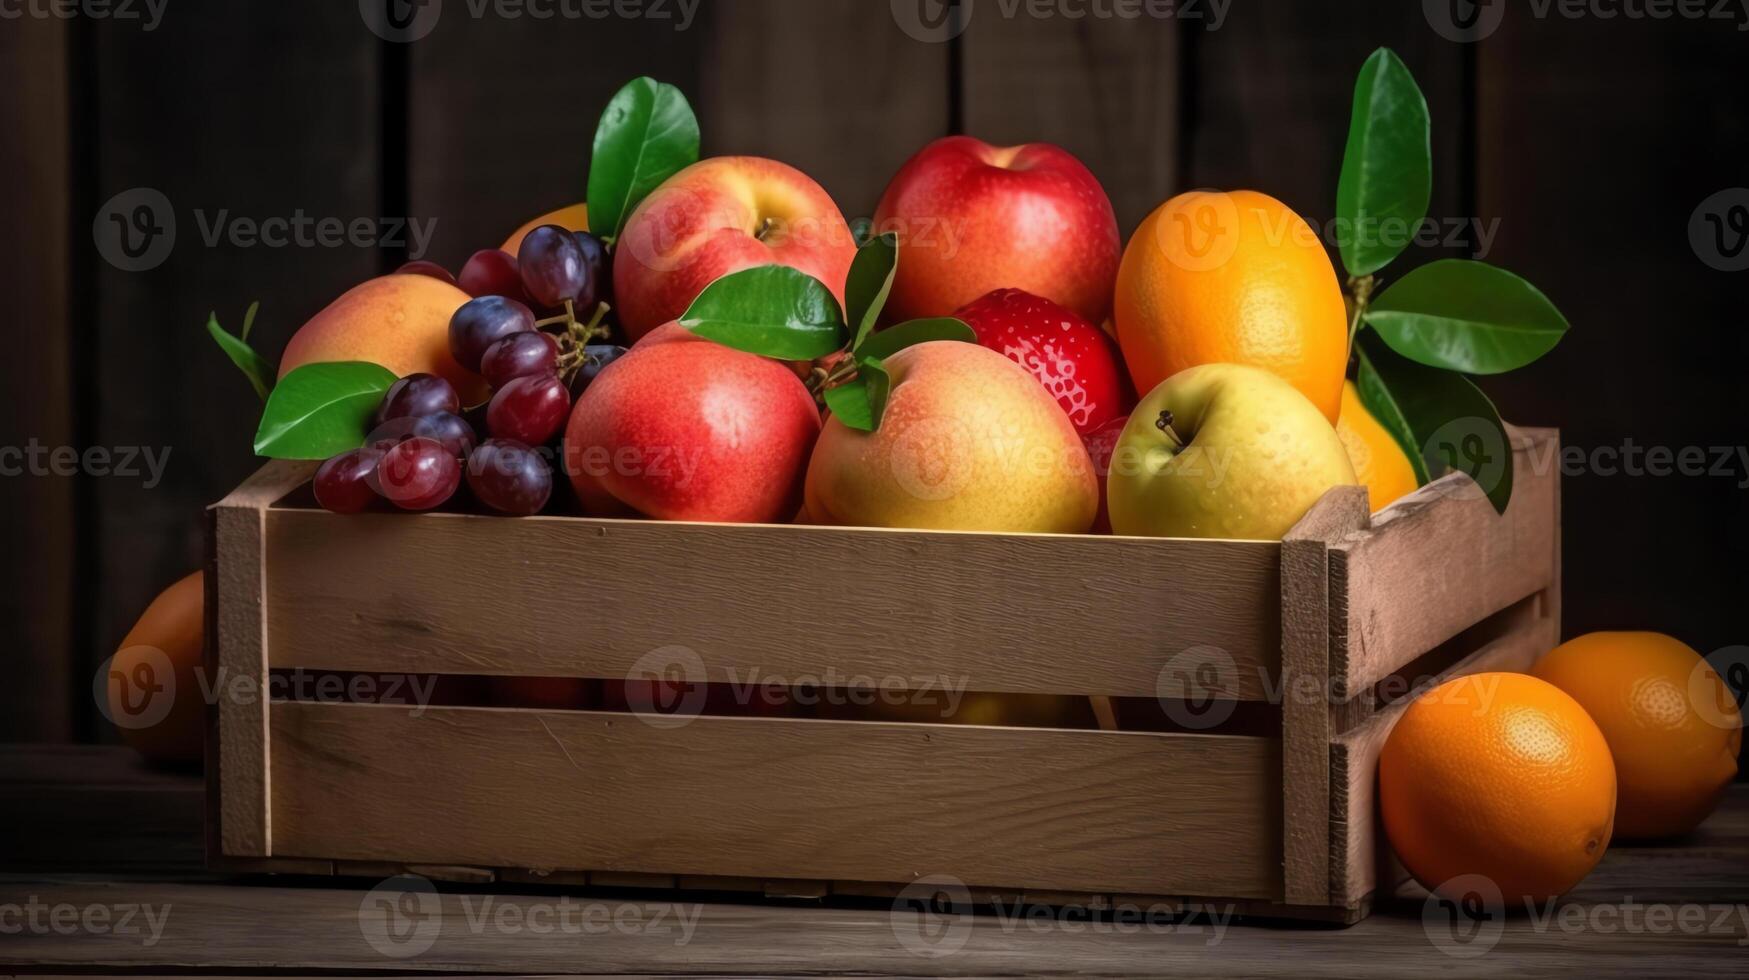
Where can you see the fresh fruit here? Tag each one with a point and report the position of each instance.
(342, 484)
(400, 322)
(416, 396)
(1500, 775)
(167, 636)
(482, 322)
(574, 216)
(492, 272)
(597, 269)
(596, 358)
(971, 217)
(1101, 445)
(447, 428)
(682, 428)
(509, 477)
(969, 441)
(1672, 724)
(553, 269)
(530, 409)
(1379, 462)
(519, 355)
(1238, 278)
(420, 267)
(1075, 362)
(1223, 451)
(418, 474)
(720, 216)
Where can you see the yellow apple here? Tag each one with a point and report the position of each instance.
(1223, 451)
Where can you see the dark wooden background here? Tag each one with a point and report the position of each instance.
(1590, 142)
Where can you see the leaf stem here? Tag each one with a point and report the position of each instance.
(1360, 290)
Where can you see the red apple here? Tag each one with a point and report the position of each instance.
(1101, 445)
(720, 216)
(971, 217)
(681, 428)
(1075, 361)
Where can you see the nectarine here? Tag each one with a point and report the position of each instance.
(398, 321)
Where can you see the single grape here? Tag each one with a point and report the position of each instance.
(418, 395)
(491, 272)
(596, 358)
(420, 267)
(597, 273)
(553, 269)
(450, 429)
(342, 483)
(529, 409)
(417, 474)
(482, 322)
(529, 352)
(509, 477)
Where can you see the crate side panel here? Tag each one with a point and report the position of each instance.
(452, 593)
(1022, 808)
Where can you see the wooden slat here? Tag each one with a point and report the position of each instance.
(1105, 89)
(1308, 596)
(1442, 560)
(1035, 808)
(1361, 857)
(1101, 615)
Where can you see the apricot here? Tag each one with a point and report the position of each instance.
(152, 686)
(398, 321)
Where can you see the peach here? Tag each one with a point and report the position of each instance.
(720, 216)
(399, 321)
(970, 441)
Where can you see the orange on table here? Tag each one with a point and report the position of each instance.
(153, 690)
(1500, 775)
(1235, 277)
(1671, 721)
(1379, 462)
(574, 217)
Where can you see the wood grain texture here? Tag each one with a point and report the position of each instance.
(1104, 88)
(769, 798)
(1441, 560)
(382, 593)
(1307, 601)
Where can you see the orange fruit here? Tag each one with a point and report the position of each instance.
(1499, 775)
(574, 217)
(152, 685)
(1672, 723)
(1235, 277)
(1380, 464)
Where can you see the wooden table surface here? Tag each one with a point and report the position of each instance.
(100, 869)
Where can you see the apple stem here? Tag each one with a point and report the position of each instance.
(1164, 424)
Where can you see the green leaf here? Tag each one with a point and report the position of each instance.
(320, 410)
(1446, 416)
(1387, 168)
(1467, 316)
(256, 368)
(859, 402)
(885, 344)
(646, 135)
(770, 310)
(870, 281)
(249, 319)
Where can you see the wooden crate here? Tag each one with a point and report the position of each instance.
(1318, 632)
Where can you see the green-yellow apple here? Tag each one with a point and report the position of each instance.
(399, 321)
(719, 216)
(1223, 451)
(970, 441)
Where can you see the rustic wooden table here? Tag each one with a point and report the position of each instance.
(101, 869)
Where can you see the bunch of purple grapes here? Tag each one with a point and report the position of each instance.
(422, 446)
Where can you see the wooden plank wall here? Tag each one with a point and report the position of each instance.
(1589, 142)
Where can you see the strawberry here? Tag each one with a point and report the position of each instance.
(1075, 361)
